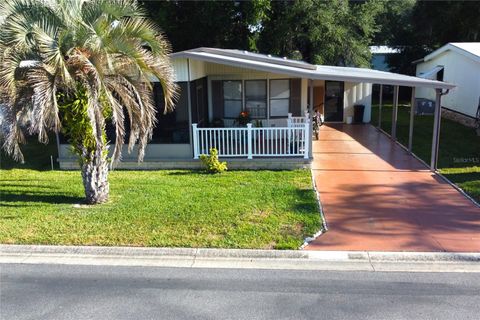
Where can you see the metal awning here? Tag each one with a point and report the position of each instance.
(267, 63)
(431, 74)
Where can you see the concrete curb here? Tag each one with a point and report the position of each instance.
(239, 258)
(324, 228)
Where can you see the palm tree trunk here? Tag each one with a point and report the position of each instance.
(95, 177)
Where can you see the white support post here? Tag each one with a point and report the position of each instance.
(289, 120)
(412, 116)
(189, 104)
(310, 112)
(249, 140)
(380, 102)
(395, 113)
(196, 150)
(436, 130)
(307, 138)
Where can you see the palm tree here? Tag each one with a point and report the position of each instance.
(73, 65)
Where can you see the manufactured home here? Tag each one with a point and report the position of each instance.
(256, 109)
(459, 63)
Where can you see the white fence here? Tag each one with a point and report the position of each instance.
(293, 141)
(290, 121)
(297, 121)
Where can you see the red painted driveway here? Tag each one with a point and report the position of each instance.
(377, 197)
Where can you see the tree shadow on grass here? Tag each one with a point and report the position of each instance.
(19, 185)
(18, 198)
(188, 172)
(305, 203)
(461, 177)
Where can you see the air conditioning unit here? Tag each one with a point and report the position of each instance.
(424, 106)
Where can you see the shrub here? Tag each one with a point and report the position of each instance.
(211, 162)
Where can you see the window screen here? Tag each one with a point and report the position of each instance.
(173, 126)
(256, 98)
(279, 98)
(232, 98)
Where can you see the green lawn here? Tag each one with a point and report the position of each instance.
(238, 209)
(459, 150)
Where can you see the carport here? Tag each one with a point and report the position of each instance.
(382, 78)
(398, 80)
(376, 196)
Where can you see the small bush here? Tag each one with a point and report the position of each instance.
(211, 162)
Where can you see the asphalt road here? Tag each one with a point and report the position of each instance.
(104, 292)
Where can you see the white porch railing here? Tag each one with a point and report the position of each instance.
(293, 141)
(297, 121)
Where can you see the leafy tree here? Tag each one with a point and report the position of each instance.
(394, 21)
(77, 64)
(420, 27)
(334, 32)
(223, 24)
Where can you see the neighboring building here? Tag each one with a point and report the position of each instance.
(380, 57)
(459, 63)
(216, 85)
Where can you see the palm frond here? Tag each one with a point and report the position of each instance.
(107, 48)
(45, 109)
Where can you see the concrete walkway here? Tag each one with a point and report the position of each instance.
(376, 196)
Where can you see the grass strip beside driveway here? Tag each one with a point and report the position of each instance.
(171, 208)
(459, 150)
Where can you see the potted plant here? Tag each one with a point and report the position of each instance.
(243, 118)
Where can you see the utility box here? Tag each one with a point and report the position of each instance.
(358, 111)
(424, 106)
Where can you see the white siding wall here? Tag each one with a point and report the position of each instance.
(197, 69)
(153, 151)
(214, 69)
(459, 70)
(181, 69)
(357, 93)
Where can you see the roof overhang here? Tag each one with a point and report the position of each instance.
(461, 48)
(319, 72)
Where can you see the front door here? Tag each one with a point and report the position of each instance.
(333, 107)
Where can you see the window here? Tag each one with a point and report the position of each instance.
(256, 98)
(171, 127)
(279, 98)
(440, 75)
(232, 98)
